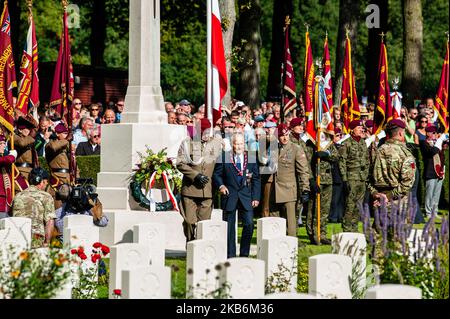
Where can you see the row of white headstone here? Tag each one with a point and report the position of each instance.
(138, 269)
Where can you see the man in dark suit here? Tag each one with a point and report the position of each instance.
(237, 179)
(92, 146)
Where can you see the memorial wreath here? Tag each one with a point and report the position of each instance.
(156, 170)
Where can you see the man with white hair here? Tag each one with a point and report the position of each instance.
(82, 134)
(92, 146)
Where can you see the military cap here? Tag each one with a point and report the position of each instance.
(296, 122)
(355, 123)
(431, 129)
(185, 102)
(2, 138)
(61, 128)
(282, 129)
(337, 130)
(396, 123)
(204, 124)
(369, 123)
(26, 122)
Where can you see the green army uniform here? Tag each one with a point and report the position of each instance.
(394, 171)
(39, 207)
(326, 193)
(354, 167)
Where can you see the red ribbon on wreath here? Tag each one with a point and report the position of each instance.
(152, 181)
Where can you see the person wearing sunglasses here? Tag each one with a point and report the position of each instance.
(422, 123)
(94, 112)
(92, 146)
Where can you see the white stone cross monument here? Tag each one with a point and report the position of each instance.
(144, 123)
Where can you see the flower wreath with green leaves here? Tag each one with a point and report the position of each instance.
(156, 168)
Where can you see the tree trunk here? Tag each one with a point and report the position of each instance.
(412, 50)
(97, 47)
(348, 17)
(280, 10)
(373, 49)
(228, 17)
(249, 71)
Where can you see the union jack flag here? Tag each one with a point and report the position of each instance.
(7, 26)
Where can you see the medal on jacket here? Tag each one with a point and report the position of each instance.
(240, 172)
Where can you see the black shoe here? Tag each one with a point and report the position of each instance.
(325, 241)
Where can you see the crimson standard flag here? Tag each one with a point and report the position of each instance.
(289, 95)
(217, 81)
(308, 91)
(441, 101)
(63, 82)
(7, 71)
(384, 111)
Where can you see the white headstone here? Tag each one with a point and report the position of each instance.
(202, 258)
(148, 282)
(153, 235)
(217, 214)
(391, 291)
(84, 236)
(353, 245)
(267, 228)
(15, 232)
(281, 259)
(329, 276)
(290, 295)
(123, 257)
(212, 230)
(244, 277)
(78, 220)
(120, 227)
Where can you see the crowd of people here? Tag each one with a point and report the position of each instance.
(358, 168)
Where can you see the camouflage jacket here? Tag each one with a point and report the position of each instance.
(37, 205)
(354, 160)
(394, 169)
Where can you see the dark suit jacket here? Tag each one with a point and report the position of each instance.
(85, 149)
(428, 153)
(226, 174)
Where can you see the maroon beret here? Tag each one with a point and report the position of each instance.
(355, 123)
(26, 122)
(369, 123)
(431, 129)
(282, 129)
(2, 138)
(396, 123)
(296, 122)
(61, 128)
(337, 130)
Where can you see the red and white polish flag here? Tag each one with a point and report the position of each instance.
(217, 81)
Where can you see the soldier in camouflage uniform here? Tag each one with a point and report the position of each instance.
(38, 205)
(394, 168)
(196, 161)
(354, 167)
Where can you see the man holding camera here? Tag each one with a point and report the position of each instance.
(38, 205)
(196, 161)
(79, 200)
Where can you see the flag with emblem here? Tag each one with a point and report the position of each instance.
(349, 99)
(308, 91)
(441, 101)
(384, 108)
(7, 72)
(28, 100)
(289, 94)
(328, 87)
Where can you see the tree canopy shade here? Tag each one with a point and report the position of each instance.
(183, 40)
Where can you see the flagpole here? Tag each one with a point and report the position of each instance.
(209, 62)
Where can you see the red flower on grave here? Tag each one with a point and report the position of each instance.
(80, 250)
(105, 250)
(97, 245)
(82, 256)
(117, 292)
(74, 251)
(95, 258)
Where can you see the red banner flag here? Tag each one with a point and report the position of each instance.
(327, 72)
(308, 90)
(7, 71)
(441, 101)
(28, 100)
(384, 110)
(217, 80)
(289, 94)
(349, 99)
(63, 81)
